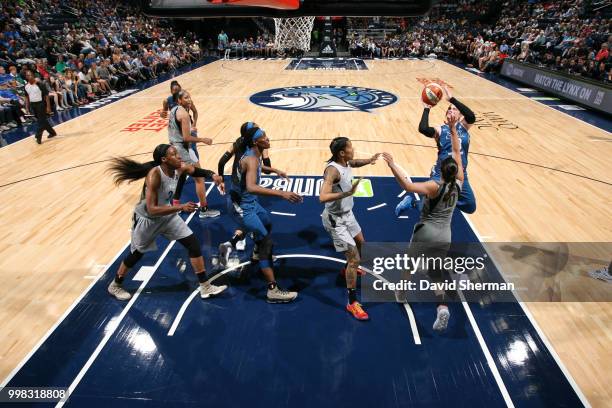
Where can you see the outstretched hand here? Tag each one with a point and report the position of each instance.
(388, 158)
(447, 93)
(374, 158)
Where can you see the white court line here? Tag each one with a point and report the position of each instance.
(376, 206)
(60, 320)
(413, 326)
(535, 325)
(112, 327)
(179, 316)
(282, 213)
(487, 353)
(403, 216)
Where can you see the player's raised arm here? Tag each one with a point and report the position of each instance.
(363, 162)
(469, 118)
(426, 188)
(456, 143)
(424, 127)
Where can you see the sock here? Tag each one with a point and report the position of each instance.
(271, 285)
(352, 295)
(201, 276)
(237, 237)
(119, 279)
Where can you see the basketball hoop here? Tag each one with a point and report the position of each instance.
(293, 33)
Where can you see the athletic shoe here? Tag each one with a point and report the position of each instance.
(406, 203)
(601, 274)
(357, 311)
(442, 319)
(225, 249)
(113, 92)
(207, 290)
(241, 245)
(38, 139)
(209, 213)
(118, 292)
(360, 272)
(52, 135)
(278, 295)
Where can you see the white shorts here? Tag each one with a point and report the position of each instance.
(188, 156)
(342, 228)
(146, 230)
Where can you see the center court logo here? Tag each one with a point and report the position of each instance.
(324, 98)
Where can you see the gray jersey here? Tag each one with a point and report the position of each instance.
(439, 209)
(175, 135)
(165, 192)
(345, 183)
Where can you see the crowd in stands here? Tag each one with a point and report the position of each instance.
(107, 47)
(559, 35)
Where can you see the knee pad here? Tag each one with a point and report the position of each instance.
(132, 259)
(192, 245)
(264, 248)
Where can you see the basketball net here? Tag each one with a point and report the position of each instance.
(293, 33)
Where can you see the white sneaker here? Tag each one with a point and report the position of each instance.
(225, 249)
(278, 295)
(442, 319)
(210, 213)
(207, 290)
(113, 92)
(118, 292)
(241, 245)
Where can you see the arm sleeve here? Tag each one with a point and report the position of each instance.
(465, 111)
(222, 162)
(424, 127)
(268, 163)
(198, 172)
(179, 186)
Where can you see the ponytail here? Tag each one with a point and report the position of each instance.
(449, 173)
(125, 169)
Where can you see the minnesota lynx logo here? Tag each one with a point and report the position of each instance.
(321, 98)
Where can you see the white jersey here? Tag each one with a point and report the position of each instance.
(342, 206)
(166, 190)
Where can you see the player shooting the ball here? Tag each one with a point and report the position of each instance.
(442, 135)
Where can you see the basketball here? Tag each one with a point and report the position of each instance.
(432, 94)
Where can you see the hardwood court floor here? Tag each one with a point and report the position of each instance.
(536, 173)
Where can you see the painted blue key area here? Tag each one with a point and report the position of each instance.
(237, 350)
(342, 64)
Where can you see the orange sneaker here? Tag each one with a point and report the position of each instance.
(357, 311)
(360, 272)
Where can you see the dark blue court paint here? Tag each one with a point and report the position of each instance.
(237, 350)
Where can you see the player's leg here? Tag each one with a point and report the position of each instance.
(205, 212)
(345, 243)
(144, 232)
(467, 199)
(238, 240)
(255, 221)
(175, 229)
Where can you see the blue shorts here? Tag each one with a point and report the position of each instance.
(467, 199)
(256, 220)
